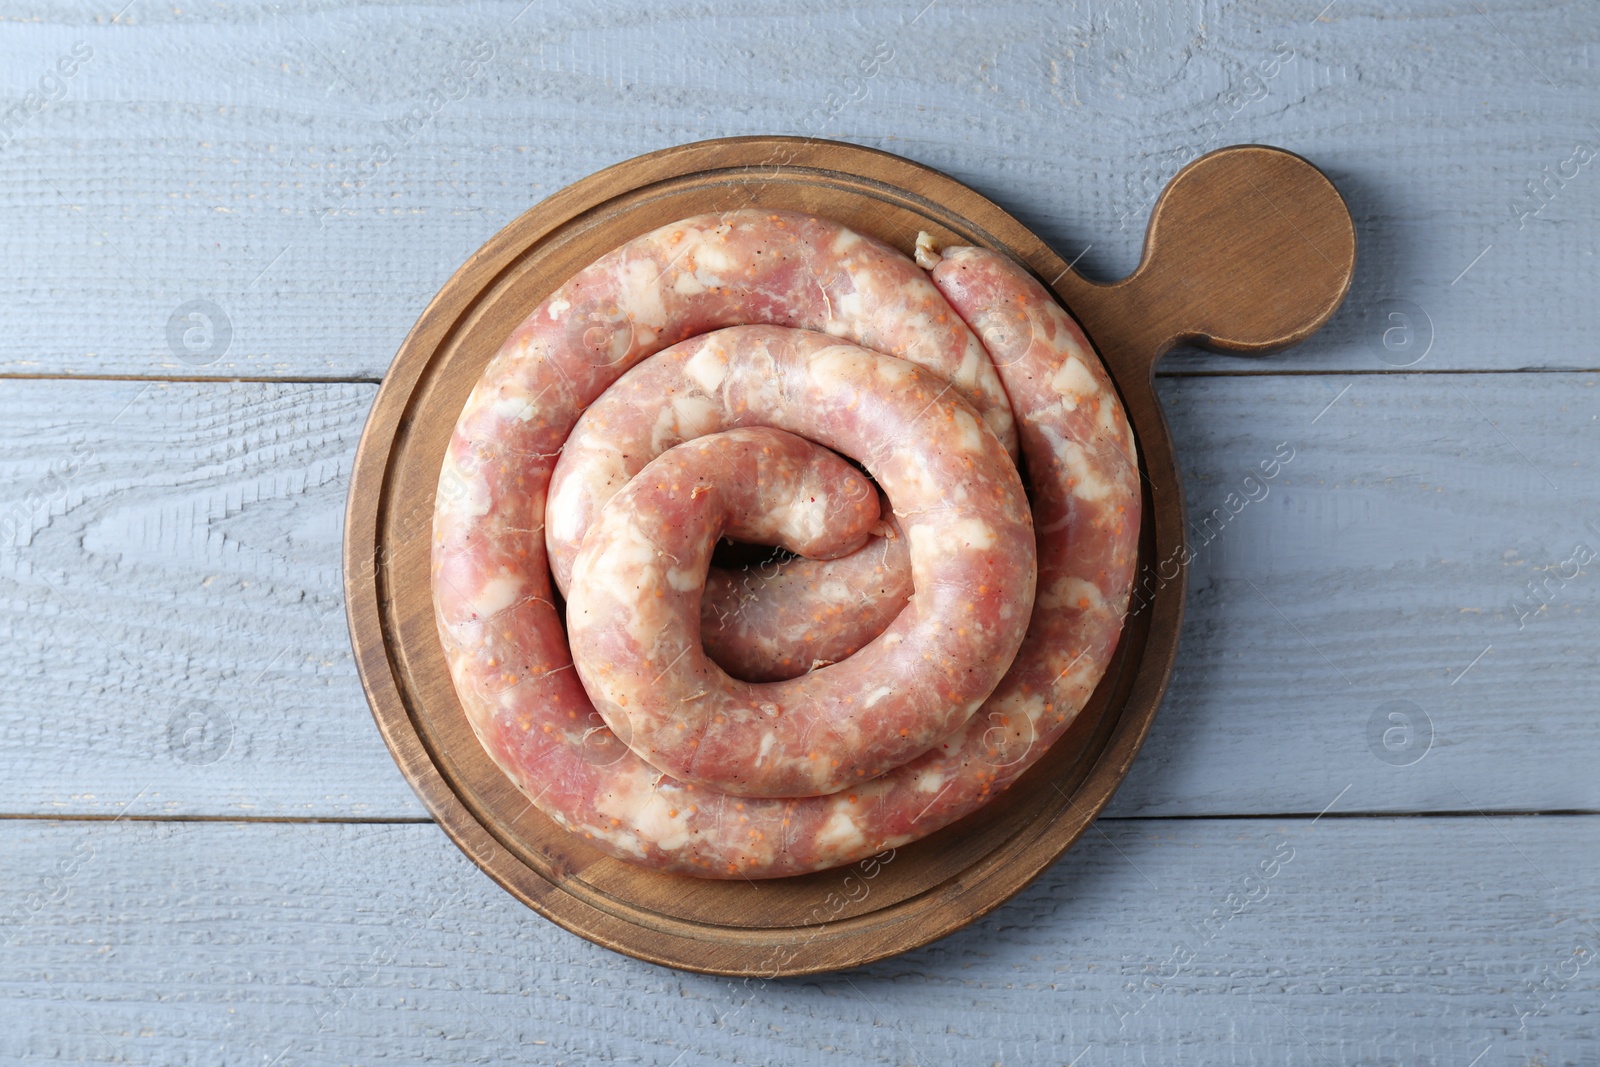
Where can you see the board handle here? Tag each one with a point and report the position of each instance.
(1250, 249)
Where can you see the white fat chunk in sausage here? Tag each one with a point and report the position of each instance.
(969, 434)
(628, 564)
(1113, 433)
(497, 594)
(1083, 473)
(840, 369)
(894, 371)
(1017, 705)
(1075, 669)
(707, 368)
(708, 255)
(845, 241)
(460, 498)
(919, 488)
(648, 814)
(697, 415)
(805, 520)
(683, 581)
(834, 591)
(684, 419)
(1075, 383)
(937, 542)
(513, 405)
(922, 344)
(847, 306)
(840, 832)
(564, 513)
(1070, 593)
(640, 295)
(769, 741)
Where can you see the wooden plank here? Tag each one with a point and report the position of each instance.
(180, 590)
(171, 606)
(1347, 941)
(229, 156)
(1407, 601)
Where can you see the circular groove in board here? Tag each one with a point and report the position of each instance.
(852, 915)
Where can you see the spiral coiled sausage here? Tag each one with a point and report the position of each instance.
(781, 320)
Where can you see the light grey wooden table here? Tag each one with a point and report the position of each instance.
(1365, 828)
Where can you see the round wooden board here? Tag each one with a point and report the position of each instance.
(849, 916)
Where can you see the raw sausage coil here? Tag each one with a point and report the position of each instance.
(830, 327)
(972, 561)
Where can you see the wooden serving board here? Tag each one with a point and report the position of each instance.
(1249, 250)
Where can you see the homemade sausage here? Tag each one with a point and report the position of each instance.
(740, 267)
(773, 621)
(504, 640)
(634, 616)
